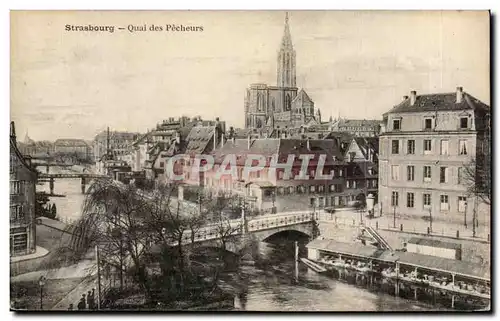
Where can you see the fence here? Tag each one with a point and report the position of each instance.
(421, 229)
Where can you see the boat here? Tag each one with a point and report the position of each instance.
(313, 266)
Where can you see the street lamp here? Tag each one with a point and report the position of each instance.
(430, 219)
(41, 282)
(465, 215)
(394, 223)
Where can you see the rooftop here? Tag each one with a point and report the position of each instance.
(439, 102)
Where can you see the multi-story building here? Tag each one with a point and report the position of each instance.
(22, 201)
(70, 146)
(301, 191)
(427, 142)
(115, 143)
(362, 168)
(283, 105)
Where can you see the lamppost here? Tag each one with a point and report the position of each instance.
(394, 224)
(430, 220)
(465, 215)
(41, 282)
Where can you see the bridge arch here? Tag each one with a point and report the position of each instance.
(290, 234)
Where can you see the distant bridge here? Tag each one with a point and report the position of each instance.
(84, 177)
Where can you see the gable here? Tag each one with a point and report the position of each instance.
(359, 154)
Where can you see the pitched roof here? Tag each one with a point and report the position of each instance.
(270, 146)
(71, 142)
(439, 102)
(358, 122)
(302, 96)
(198, 139)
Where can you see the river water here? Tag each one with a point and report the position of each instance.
(272, 283)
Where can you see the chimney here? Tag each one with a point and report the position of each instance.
(413, 97)
(405, 98)
(460, 95)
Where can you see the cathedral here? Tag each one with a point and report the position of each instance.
(284, 105)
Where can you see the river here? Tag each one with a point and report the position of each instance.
(270, 284)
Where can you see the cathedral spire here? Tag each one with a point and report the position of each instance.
(286, 41)
(286, 59)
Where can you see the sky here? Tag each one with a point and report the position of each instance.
(356, 64)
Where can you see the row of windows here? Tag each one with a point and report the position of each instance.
(373, 183)
(427, 174)
(427, 201)
(15, 187)
(16, 212)
(429, 123)
(427, 147)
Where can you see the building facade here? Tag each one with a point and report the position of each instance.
(23, 179)
(428, 141)
(76, 147)
(114, 142)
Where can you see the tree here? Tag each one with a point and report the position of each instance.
(477, 176)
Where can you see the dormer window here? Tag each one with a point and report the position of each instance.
(464, 123)
(428, 124)
(396, 124)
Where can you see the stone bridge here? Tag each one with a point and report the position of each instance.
(257, 228)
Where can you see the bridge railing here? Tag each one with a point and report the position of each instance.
(211, 232)
(279, 220)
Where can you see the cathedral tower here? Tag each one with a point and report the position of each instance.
(286, 59)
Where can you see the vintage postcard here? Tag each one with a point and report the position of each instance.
(250, 161)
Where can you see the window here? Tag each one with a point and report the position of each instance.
(462, 204)
(312, 173)
(396, 124)
(395, 146)
(354, 184)
(395, 172)
(348, 184)
(464, 123)
(281, 191)
(410, 173)
(280, 174)
(443, 174)
(427, 146)
(394, 199)
(428, 123)
(444, 203)
(15, 187)
(411, 146)
(462, 147)
(427, 173)
(444, 147)
(321, 188)
(427, 200)
(312, 189)
(332, 188)
(461, 175)
(341, 173)
(374, 183)
(410, 199)
(291, 190)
